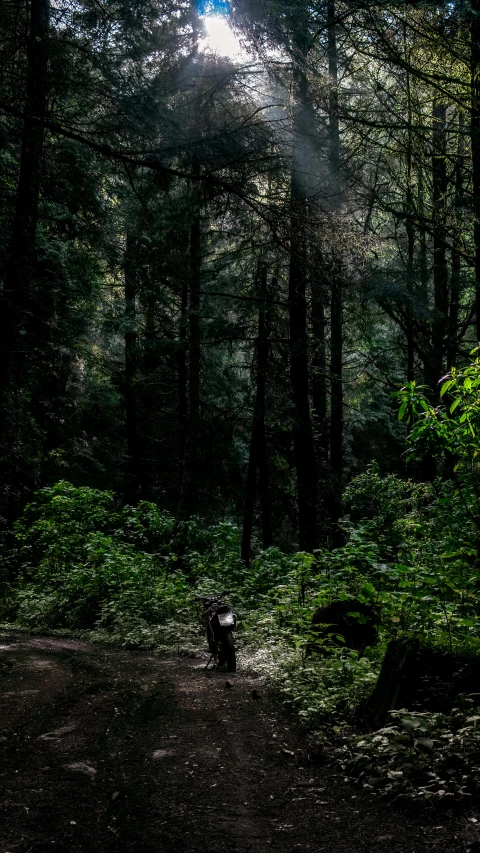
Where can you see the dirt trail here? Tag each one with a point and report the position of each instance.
(108, 750)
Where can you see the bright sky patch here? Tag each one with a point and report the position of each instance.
(220, 38)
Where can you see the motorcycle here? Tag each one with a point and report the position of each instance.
(219, 621)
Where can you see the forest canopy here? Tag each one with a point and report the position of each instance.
(218, 270)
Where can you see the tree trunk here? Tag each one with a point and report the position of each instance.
(452, 342)
(395, 667)
(333, 113)
(475, 144)
(258, 443)
(16, 296)
(336, 316)
(263, 348)
(20, 268)
(319, 365)
(182, 371)
(132, 478)
(440, 270)
(336, 412)
(297, 307)
(410, 229)
(190, 483)
(250, 490)
(422, 241)
(149, 361)
(410, 330)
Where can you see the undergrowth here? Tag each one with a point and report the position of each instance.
(129, 575)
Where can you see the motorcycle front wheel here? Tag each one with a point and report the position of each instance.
(229, 655)
(212, 646)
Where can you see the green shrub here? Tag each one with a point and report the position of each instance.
(410, 549)
(89, 562)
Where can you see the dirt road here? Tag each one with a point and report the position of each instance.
(109, 750)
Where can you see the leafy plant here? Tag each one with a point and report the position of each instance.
(451, 429)
(420, 755)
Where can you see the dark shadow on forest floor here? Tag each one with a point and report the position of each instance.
(110, 750)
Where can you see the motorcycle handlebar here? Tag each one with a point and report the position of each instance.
(220, 595)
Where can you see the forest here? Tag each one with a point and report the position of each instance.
(240, 325)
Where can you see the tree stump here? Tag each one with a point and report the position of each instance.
(398, 659)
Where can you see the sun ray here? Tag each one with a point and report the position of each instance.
(220, 38)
